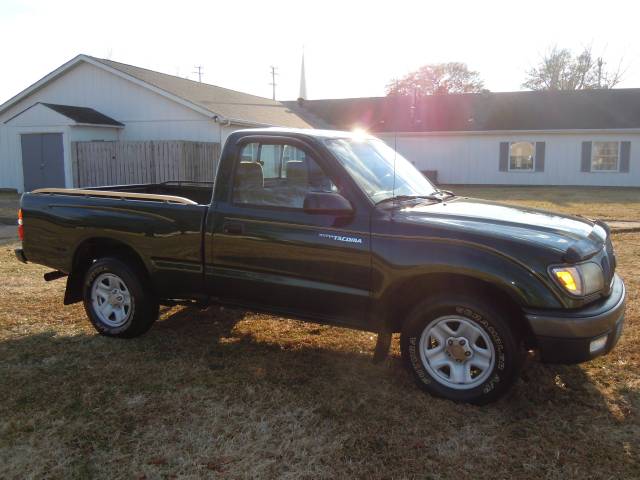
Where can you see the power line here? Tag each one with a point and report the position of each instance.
(273, 80)
(198, 70)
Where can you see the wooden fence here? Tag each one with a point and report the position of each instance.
(114, 163)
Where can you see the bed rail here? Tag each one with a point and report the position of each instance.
(114, 194)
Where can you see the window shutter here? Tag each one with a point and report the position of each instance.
(540, 150)
(625, 156)
(586, 157)
(504, 156)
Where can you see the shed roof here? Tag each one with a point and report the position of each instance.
(230, 104)
(79, 115)
(548, 110)
(83, 115)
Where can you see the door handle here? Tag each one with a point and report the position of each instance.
(232, 228)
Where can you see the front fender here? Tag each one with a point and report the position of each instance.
(409, 267)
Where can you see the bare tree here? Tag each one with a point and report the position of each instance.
(439, 78)
(561, 70)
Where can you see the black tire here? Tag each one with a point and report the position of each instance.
(481, 316)
(143, 305)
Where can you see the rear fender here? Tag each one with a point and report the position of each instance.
(86, 253)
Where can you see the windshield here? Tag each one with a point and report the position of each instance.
(371, 163)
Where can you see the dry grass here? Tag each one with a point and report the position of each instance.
(8, 207)
(594, 202)
(228, 394)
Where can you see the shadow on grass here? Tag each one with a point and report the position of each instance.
(206, 341)
(85, 389)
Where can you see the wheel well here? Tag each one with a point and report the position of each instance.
(96, 248)
(93, 249)
(417, 289)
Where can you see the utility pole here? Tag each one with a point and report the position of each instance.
(273, 80)
(198, 70)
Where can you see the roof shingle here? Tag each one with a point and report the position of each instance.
(83, 115)
(548, 110)
(230, 104)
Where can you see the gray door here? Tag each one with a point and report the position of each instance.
(42, 160)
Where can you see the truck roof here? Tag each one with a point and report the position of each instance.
(308, 132)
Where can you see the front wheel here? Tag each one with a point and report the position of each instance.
(461, 349)
(117, 300)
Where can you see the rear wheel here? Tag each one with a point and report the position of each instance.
(116, 299)
(462, 349)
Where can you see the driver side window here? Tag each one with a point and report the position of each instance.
(277, 175)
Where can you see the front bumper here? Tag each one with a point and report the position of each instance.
(566, 336)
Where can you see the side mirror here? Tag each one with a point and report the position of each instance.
(327, 203)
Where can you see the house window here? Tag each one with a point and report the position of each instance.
(604, 156)
(522, 156)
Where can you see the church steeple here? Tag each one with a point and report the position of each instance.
(303, 81)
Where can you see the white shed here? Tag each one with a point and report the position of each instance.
(46, 131)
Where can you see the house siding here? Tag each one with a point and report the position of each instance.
(146, 115)
(474, 158)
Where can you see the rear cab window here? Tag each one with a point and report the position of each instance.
(277, 175)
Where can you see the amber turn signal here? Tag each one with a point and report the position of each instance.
(567, 279)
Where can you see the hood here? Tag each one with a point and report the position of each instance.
(575, 237)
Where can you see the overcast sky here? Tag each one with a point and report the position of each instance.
(352, 48)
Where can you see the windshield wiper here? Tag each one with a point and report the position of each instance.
(400, 198)
(448, 193)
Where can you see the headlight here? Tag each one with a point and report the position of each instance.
(580, 280)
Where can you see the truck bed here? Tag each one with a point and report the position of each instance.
(161, 223)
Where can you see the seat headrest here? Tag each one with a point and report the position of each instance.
(297, 173)
(250, 175)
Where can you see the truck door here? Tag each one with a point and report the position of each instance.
(268, 253)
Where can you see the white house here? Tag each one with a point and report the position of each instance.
(589, 137)
(90, 99)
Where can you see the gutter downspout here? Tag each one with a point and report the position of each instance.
(223, 122)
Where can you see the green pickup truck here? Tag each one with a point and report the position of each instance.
(337, 228)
